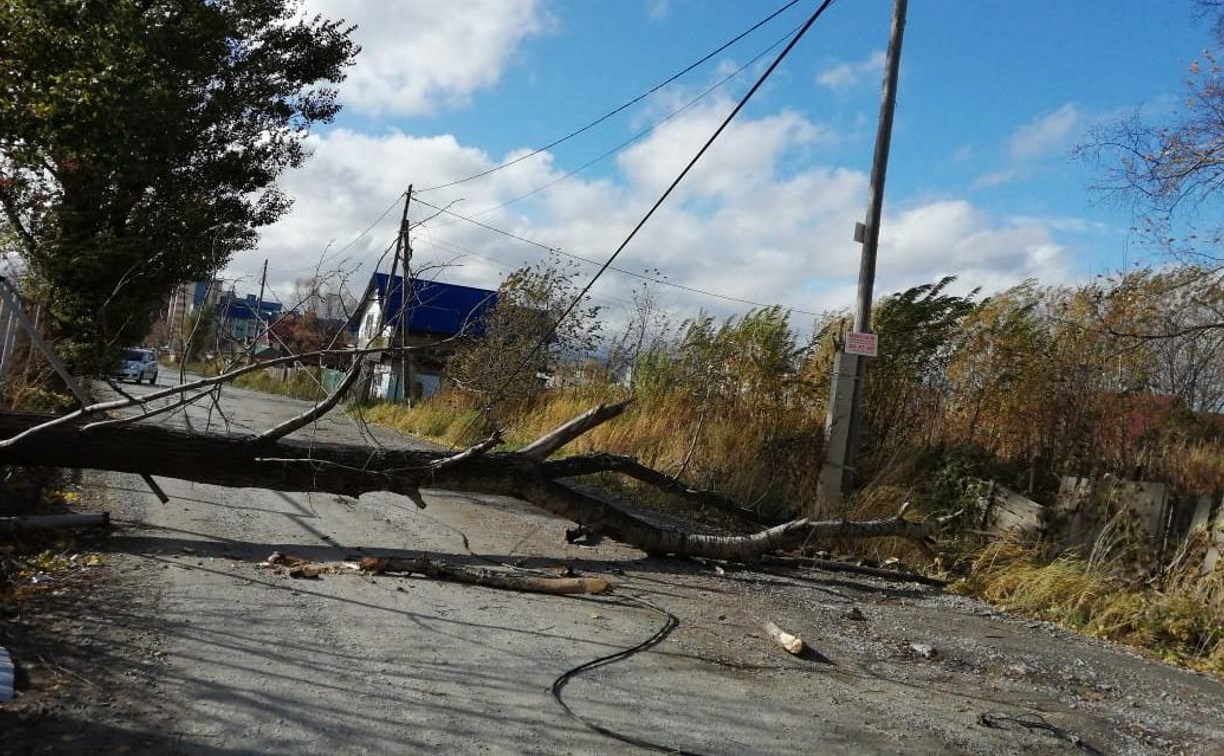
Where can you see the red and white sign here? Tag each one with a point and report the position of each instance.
(866, 344)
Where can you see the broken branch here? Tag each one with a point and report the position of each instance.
(792, 643)
(588, 464)
(545, 446)
(487, 578)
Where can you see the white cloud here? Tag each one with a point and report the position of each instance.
(418, 57)
(952, 237)
(746, 154)
(658, 10)
(846, 76)
(748, 224)
(1045, 135)
(996, 178)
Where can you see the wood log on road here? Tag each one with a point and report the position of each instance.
(351, 470)
(527, 583)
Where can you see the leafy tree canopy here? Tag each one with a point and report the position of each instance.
(140, 141)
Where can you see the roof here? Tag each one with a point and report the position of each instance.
(434, 307)
(233, 308)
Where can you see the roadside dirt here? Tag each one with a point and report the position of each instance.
(181, 643)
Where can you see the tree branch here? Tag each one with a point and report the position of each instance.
(281, 430)
(351, 470)
(118, 404)
(546, 445)
(588, 464)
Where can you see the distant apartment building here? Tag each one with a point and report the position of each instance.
(241, 321)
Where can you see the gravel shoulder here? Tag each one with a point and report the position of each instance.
(182, 643)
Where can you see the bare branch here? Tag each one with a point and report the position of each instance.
(545, 446)
(588, 464)
(314, 413)
(146, 414)
(471, 452)
(118, 404)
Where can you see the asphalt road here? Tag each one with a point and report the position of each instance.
(236, 658)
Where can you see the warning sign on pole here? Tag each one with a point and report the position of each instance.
(866, 344)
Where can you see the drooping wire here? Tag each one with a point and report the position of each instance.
(624, 271)
(554, 325)
(620, 108)
(328, 257)
(643, 133)
(670, 623)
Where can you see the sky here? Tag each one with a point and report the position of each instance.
(993, 95)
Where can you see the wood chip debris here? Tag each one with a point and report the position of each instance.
(792, 643)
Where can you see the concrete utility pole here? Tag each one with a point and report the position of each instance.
(842, 422)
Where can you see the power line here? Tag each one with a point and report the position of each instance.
(628, 104)
(328, 258)
(460, 251)
(644, 132)
(671, 187)
(623, 271)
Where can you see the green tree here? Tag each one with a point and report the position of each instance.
(140, 141)
(906, 387)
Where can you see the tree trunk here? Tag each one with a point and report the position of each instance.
(351, 470)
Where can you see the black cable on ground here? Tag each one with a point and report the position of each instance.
(1001, 721)
(670, 623)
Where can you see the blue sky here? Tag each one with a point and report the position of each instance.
(993, 95)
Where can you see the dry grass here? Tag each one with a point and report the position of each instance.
(1182, 622)
(768, 455)
(1194, 468)
(303, 383)
(447, 420)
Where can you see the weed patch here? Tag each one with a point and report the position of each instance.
(303, 383)
(1180, 622)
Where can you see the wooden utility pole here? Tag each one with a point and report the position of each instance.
(259, 320)
(406, 358)
(843, 420)
(402, 247)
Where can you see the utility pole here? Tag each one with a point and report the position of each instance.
(844, 417)
(402, 247)
(259, 321)
(406, 358)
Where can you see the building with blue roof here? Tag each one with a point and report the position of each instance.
(430, 314)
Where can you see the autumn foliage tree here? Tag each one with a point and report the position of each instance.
(524, 337)
(140, 142)
(1172, 171)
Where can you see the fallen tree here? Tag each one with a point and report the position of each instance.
(270, 461)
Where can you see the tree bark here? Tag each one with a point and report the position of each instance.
(352, 470)
(557, 586)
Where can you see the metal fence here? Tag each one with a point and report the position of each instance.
(15, 346)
